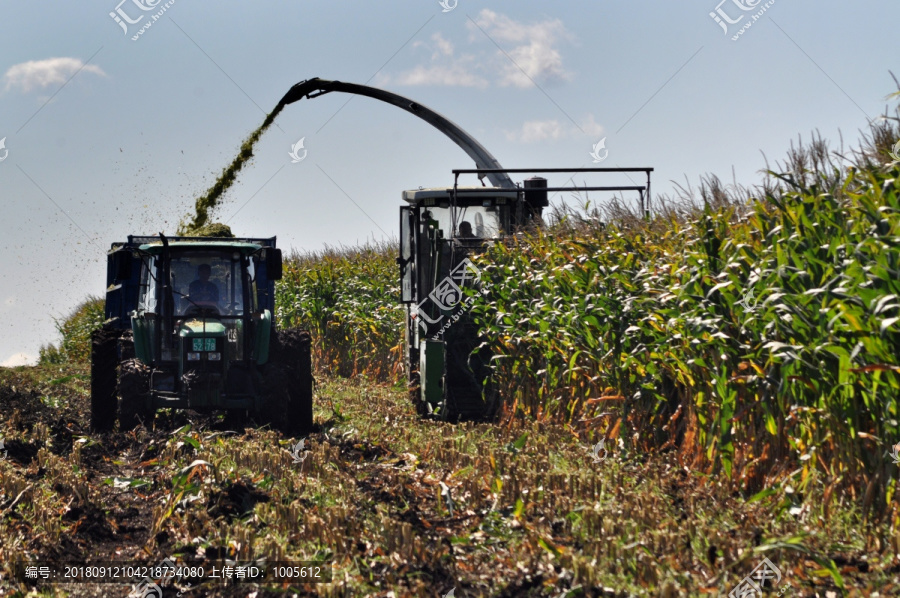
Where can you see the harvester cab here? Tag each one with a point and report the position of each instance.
(441, 231)
(438, 233)
(190, 326)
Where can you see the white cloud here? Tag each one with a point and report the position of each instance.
(533, 131)
(19, 359)
(46, 73)
(591, 127)
(443, 47)
(535, 55)
(537, 130)
(455, 75)
(532, 48)
(443, 69)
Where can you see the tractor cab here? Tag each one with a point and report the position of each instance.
(199, 319)
(190, 325)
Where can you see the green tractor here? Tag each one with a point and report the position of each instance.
(189, 325)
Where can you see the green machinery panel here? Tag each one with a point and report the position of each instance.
(431, 371)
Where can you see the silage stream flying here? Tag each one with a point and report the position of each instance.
(209, 201)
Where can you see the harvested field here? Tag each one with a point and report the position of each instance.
(401, 506)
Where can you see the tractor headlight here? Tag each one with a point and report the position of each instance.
(193, 357)
(214, 356)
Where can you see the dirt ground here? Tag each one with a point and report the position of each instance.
(399, 506)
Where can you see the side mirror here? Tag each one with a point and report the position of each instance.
(122, 263)
(273, 264)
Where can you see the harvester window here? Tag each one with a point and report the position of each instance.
(471, 221)
(479, 222)
(405, 259)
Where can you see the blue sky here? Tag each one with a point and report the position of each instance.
(107, 136)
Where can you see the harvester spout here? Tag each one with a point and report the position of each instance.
(312, 88)
(301, 90)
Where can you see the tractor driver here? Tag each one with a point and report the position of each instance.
(465, 230)
(202, 291)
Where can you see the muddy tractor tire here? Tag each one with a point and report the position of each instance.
(133, 388)
(274, 395)
(104, 383)
(288, 383)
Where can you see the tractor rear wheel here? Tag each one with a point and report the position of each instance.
(289, 382)
(104, 358)
(133, 390)
(296, 346)
(274, 395)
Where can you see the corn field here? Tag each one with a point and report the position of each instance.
(75, 331)
(754, 337)
(347, 299)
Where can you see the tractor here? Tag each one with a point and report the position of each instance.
(189, 325)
